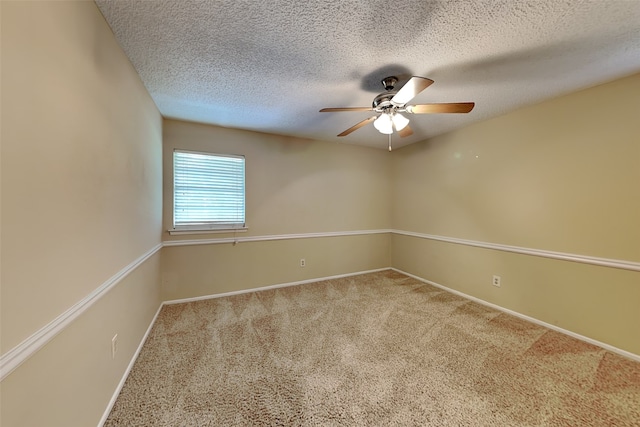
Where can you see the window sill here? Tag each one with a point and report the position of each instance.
(175, 232)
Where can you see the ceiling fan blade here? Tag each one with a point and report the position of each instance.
(331, 110)
(358, 126)
(414, 86)
(406, 131)
(455, 107)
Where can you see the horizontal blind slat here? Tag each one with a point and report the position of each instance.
(208, 189)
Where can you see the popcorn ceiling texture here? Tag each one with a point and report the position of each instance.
(378, 349)
(271, 65)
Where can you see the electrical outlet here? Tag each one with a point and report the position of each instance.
(303, 263)
(496, 281)
(114, 346)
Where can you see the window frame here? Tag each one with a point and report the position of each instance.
(208, 226)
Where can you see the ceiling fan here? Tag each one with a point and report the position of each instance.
(390, 104)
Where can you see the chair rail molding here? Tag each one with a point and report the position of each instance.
(17, 355)
(27, 348)
(564, 256)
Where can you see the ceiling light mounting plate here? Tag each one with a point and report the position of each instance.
(389, 82)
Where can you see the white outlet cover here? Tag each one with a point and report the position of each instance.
(114, 346)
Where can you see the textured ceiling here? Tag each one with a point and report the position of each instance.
(270, 65)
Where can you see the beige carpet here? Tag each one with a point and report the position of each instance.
(379, 349)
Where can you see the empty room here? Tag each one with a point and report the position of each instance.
(320, 213)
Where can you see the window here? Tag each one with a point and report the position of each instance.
(208, 191)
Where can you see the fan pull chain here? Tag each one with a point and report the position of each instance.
(389, 142)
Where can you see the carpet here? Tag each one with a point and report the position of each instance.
(379, 349)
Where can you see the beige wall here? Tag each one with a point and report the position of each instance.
(70, 381)
(81, 168)
(561, 176)
(293, 186)
(597, 302)
(190, 271)
(81, 199)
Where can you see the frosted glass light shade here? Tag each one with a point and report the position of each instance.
(384, 124)
(400, 122)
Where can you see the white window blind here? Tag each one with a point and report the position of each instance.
(208, 191)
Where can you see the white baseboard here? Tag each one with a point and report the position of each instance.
(118, 389)
(605, 346)
(265, 288)
(17, 355)
(27, 348)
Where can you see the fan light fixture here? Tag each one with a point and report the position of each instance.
(386, 122)
(390, 103)
(399, 121)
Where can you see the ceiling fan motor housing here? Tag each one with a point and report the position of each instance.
(383, 101)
